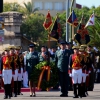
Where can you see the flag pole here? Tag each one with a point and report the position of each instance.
(71, 27)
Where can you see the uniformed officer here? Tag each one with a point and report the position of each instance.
(11, 54)
(44, 54)
(20, 60)
(17, 70)
(92, 73)
(62, 61)
(84, 71)
(6, 70)
(75, 62)
(31, 61)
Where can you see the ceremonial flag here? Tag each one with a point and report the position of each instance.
(48, 21)
(56, 29)
(72, 19)
(90, 21)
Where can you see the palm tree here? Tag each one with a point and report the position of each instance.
(29, 8)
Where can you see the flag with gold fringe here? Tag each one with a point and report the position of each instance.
(55, 32)
(73, 19)
(82, 36)
(48, 21)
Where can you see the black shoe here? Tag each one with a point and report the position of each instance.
(79, 96)
(75, 96)
(84, 95)
(5, 97)
(15, 95)
(18, 93)
(21, 93)
(30, 95)
(9, 97)
(64, 95)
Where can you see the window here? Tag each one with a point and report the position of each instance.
(48, 6)
(38, 5)
(58, 6)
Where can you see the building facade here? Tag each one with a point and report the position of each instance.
(55, 6)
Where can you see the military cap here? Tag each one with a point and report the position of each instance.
(68, 43)
(17, 47)
(81, 49)
(11, 47)
(43, 46)
(32, 45)
(75, 47)
(62, 42)
(83, 46)
(6, 49)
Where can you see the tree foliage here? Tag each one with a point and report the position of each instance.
(32, 26)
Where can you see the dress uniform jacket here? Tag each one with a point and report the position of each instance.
(41, 58)
(31, 61)
(62, 59)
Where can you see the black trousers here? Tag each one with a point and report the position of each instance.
(63, 80)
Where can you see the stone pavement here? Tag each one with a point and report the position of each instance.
(54, 95)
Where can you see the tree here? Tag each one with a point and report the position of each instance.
(13, 7)
(32, 27)
(29, 8)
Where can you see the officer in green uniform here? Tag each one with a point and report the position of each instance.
(62, 61)
(31, 61)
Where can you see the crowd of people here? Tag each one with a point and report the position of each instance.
(76, 68)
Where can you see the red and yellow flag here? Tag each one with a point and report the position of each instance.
(48, 21)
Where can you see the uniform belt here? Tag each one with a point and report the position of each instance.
(6, 68)
(76, 68)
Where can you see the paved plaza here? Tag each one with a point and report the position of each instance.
(54, 95)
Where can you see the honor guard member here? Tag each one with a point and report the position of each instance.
(92, 72)
(6, 70)
(31, 61)
(11, 54)
(20, 69)
(62, 61)
(17, 71)
(75, 62)
(84, 73)
(86, 70)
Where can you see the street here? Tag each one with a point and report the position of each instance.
(54, 95)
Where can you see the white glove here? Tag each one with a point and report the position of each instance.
(95, 49)
(89, 72)
(70, 75)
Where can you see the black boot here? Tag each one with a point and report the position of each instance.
(86, 91)
(5, 89)
(83, 89)
(79, 91)
(75, 91)
(19, 87)
(9, 91)
(15, 88)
